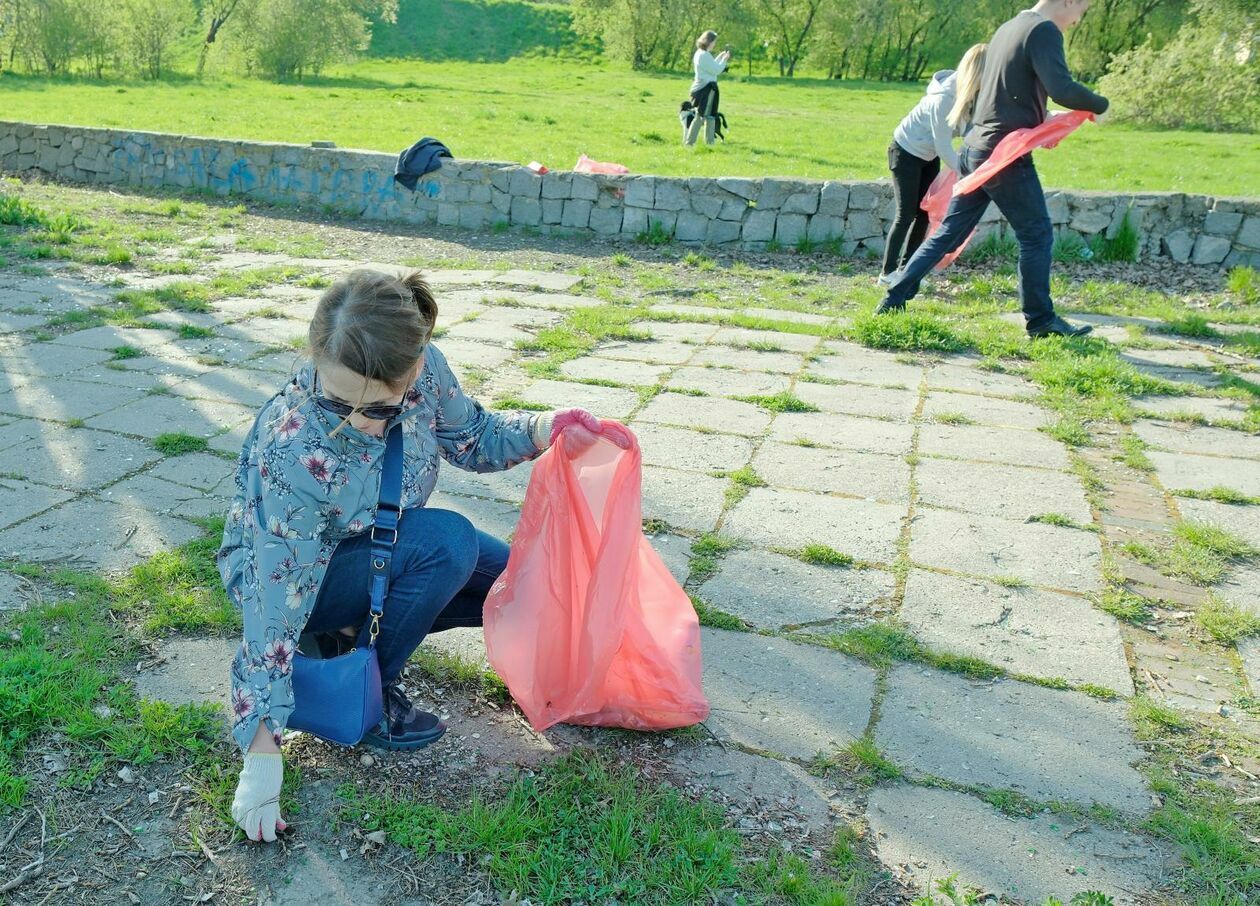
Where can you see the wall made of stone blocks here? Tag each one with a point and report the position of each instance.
(738, 212)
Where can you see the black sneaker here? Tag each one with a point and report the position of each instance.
(1060, 328)
(888, 306)
(404, 726)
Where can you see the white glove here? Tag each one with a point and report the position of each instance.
(256, 806)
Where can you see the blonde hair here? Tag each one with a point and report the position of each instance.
(706, 40)
(967, 85)
(374, 324)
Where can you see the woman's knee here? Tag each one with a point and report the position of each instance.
(443, 535)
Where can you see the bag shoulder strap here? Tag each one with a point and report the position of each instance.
(385, 527)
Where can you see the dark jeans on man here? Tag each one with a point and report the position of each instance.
(440, 573)
(1017, 193)
(912, 177)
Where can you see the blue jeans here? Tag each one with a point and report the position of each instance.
(440, 573)
(1017, 193)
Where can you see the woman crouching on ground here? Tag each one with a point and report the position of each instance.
(307, 486)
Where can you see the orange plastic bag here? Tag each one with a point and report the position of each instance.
(1013, 146)
(586, 625)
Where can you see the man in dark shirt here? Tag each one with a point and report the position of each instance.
(1023, 66)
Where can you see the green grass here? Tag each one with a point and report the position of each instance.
(1133, 453)
(1226, 622)
(64, 668)
(1221, 494)
(861, 760)
(452, 671)
(716, 619)
(1244, 283)
(952, 418)
(1124, 605)
(586, 828)
(822, 555)
(1213, 538)
(1068, 429)
(177, 443)
(1191, 324)
(706, 551)
(742, 481)
(537, 109)
(1062, 521)
(780, 402)
(909, 330)
(516, 403)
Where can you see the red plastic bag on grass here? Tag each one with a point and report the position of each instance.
(586, 165)
(586, 625)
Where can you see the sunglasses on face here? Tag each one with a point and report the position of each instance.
(345, 410)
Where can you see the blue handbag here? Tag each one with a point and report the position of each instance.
(339, 699)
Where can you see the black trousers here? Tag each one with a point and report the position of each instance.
(912, 177)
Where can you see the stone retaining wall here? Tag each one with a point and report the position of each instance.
(726, 211)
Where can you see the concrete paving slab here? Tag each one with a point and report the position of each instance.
(681, 448)
(711, 413)
(1203, 406)
(859, 399)
(792, 519)
(654, 352)
(727, 382)
(759, 784)
(467, 354)
(1241, 520)
(783, 314)
(1241, 586)
(1170, 358)
(1202, 473)
(540, 279)
(11, 595)
(866, 435)
(685, 500)
(743, 337)
(1026, 860)
(1046, 744)
(12, 323)
(244, 386)
(679, 331)
(95, 535)
(508, 486)
(594, 368)
(970, 379)
(771, 591)
(491, 516)
(193, 671)
(874, 476)
(61, 399)
(1043, 555)
(606, 402)
(21, 499)
(983, 410)
(77, 458)
(202, 471)
(1023, 630)
(50, 360)
(852, 363)
(749, 359)
(776, 696)
(675, 553)
(146, 491)
(1202, 440)
(154, 415)
(995, 489)
(985, 444)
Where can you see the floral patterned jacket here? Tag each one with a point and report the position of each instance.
(300, 491)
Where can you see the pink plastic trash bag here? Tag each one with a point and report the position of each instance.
(586, 625)
(1011, 148)
(586, 165)
(1015, 145)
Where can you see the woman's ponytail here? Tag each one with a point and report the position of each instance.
(967, 85)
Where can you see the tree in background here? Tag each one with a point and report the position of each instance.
(150, 27)
(787, 25)
(288, 39)
(1206, 77)
(50, 34)
(1112, 27)
(214, 14)
(656, 34)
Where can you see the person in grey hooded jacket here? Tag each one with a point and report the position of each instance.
(921, 143)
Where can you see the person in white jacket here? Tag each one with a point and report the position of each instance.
(704, 95)
(921, 143)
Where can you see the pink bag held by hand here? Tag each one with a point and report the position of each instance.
(586, 625)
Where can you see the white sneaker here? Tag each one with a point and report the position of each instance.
(887, 279)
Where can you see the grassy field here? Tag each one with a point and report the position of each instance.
(554, 109)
